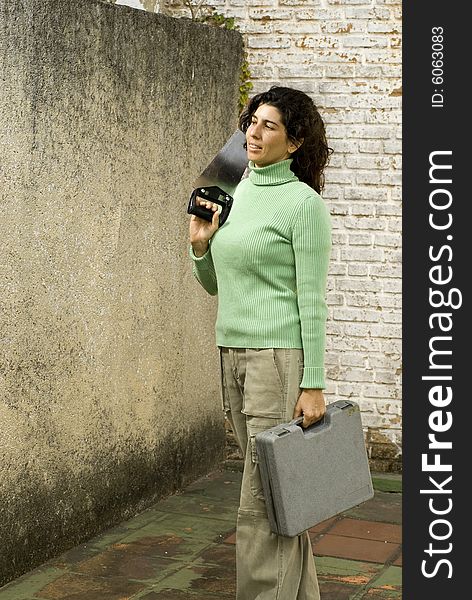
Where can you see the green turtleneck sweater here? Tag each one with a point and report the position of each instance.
(268, 264)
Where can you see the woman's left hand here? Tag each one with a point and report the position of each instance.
(311, 405)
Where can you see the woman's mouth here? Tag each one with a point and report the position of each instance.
(253, 146)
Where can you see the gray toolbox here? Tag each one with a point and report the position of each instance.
(309, 475)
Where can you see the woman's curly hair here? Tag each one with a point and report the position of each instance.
(302, 121)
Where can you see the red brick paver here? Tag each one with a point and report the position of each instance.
(369, 530)
(354, 548)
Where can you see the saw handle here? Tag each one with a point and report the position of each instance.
(210, 194)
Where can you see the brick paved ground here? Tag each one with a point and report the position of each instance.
(183, 548)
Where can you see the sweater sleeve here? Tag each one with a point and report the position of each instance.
(204, 271)
(312, 245)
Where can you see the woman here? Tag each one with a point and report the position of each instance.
(268, 264)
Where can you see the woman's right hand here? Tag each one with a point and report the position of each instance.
(201, 231)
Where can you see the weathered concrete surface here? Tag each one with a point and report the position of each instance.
(108, 370)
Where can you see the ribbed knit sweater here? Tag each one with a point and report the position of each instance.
(268, 264)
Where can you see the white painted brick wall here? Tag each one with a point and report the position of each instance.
(347, 55)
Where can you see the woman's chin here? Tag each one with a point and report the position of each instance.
(254, 156)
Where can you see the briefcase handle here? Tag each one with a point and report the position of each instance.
(325, 421)
(318, 425)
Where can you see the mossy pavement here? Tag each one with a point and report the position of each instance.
(183, 548)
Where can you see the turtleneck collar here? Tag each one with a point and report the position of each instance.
(273, 174)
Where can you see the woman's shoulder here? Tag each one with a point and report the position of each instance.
(306, 195)
(305, 191)
(310, 206)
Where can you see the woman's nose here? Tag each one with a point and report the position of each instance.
(254, 130)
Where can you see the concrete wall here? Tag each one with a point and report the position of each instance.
(347, 55)
(109, 394)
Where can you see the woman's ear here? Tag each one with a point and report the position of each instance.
(294, 146)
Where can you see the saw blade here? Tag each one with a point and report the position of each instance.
(227, 167)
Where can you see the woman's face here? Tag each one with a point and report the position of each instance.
(266, 137)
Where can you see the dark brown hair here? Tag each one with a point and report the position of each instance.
(302, 121)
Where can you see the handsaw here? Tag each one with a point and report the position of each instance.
(219, 179)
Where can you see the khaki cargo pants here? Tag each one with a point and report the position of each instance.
(260, 390)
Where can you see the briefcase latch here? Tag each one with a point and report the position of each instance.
(282, 432)
(343, 404)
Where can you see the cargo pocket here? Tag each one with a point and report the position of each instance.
(256, 425)
(255, 475)
(264, 389)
